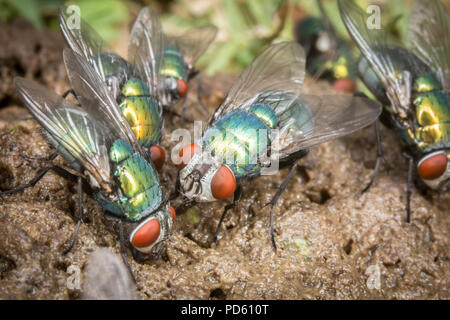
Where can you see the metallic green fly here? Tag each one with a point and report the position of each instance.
(97, 142)
(328, 56)
(265, 119)
(133, 84)
(175, 55)
(413, 84)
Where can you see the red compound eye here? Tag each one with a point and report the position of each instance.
(182, 88)
(432, 166)
(147, 234)
(186, 154)
(172, 211)
(158, 156)
(223, 183)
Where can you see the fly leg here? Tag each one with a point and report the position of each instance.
(409, 187)
(379, 157)
(176, 192)
(183, 108)
(275, 199)
(65, 174)
(79, 214)
(123, 246)
(199, 93)
(58, 170)
(236, 198)
(51, 157)
(70, 91)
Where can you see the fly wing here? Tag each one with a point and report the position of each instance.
(428, 37)
(107, 278)
(95, 98)
(193, 43)
(374, 45)
(146, 48)
(312, 120)
(280, 67)
(69, 126)
(81, 38)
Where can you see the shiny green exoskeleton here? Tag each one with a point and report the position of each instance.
(172, 57)
(141, 112)
(265, 124)
(175, 73)
(131, 84)
(174, 65)
(328, 56)
(412, 82)
(140, 193)
(431, 130)
(96, 140)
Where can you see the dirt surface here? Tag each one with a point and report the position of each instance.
(334, 243)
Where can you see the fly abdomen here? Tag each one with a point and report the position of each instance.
(141, 112)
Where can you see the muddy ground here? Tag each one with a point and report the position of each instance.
(334, 243)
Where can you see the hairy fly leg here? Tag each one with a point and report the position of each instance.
(58, 170)
(379, 157)
(409, 187)
(70, 91)
(79, 214)
(410, 184)
(123, 246)
(236, 198)
(275, 199)
(50, 157)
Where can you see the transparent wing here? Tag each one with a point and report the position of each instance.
(314, 120)
(376, 46)
(193, 43)
(279, 67)
(81, 38)
(428, 37)
(107, 278)
(146, 48)
(95, 98)
(69, 126)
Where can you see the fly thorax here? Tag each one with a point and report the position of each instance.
(426, 83)
(174, 74)
(433, 119)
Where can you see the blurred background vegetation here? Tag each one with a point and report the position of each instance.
(245, 26)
